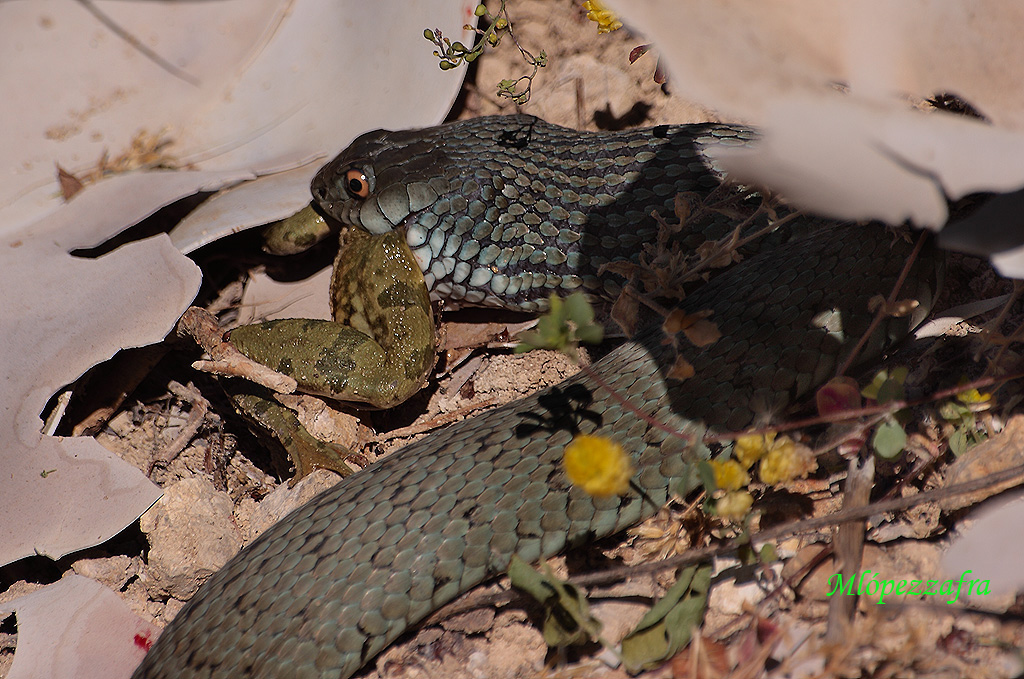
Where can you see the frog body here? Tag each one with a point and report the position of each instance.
(377, 351)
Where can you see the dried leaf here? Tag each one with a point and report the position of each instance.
(626, 313)
(132, 295)
(837, 395)
(69, 183)
(682, 207)
(721, 253)
(77, 627)
(638, 52)
(129, 297)
(702, 333)
(712, 661)
(897, 309)
(675, 322)
(660, 76)
(681, 369)
(620, 267)
(808, 127)
(699, 331)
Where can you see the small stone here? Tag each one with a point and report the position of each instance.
(113, 571)
(283, 500)
(191, 535)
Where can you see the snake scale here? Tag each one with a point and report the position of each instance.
(502, 211)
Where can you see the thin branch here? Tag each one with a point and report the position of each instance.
(994, 325)
(883, 311)
(1015, 474)
(877, 411)
(625, 403)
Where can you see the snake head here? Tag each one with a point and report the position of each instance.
(382, 178)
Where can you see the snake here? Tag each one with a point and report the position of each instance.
(503, 211)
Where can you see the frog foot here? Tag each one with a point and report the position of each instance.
(308, 453)
(305, 450)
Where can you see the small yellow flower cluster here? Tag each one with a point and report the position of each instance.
(782, 459)
(734, 506)
(786, 461)
(750, 448)
(598, 465)
(729, 475)
(604, 18)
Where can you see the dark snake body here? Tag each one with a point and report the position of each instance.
(503, 211)
(332, 584)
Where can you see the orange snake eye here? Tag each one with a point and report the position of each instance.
(357, 184)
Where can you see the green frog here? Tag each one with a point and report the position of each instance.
(376, 352)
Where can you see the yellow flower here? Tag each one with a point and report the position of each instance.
(972, 397)
(752, 447)
(729, 475)
(786, 460)
(598, 465)
(605, 18)
(734, 506)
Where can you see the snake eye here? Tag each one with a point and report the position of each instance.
(357, 184)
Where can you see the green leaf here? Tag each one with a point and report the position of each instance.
(889, 439)
(690, 478)
(891, 390)
(567, 619)
(578, 309)
(590, 334)
(953, 411)
(529, 580)
(898, 376)
(566, 323)
(958, 441)
(580, 312)
(667, 627)
(707, 476)
(871, 390)
(747, 555)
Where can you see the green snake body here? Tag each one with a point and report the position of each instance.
(333, 583)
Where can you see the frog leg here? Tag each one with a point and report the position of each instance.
(295, 234)
(259, 407)
(378, 350)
